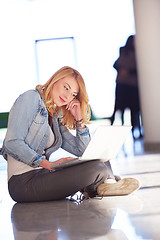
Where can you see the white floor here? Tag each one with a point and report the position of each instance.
(132, 217)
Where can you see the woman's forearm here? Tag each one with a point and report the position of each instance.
(50, 165)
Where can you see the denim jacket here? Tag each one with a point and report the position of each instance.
(28, 132)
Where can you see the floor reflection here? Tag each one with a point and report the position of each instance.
(123, 223)
(65, 220)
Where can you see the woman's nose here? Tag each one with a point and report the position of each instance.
(68, 96)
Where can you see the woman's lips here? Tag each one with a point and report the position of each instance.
(62, 100)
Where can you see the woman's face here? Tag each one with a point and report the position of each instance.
(64, 91)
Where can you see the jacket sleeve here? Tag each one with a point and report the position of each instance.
(75, 144)
(20, 118)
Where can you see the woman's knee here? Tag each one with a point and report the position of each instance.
(98, 167)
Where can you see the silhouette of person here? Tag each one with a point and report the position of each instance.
(127, 94)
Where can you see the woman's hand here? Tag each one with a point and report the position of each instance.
(75, 109)
(50, 165)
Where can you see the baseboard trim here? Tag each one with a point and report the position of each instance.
(152, 146)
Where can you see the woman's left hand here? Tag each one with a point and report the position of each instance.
(75, 109)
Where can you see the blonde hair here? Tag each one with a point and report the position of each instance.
(45, 92)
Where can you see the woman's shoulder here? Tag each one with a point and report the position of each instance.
(28, 97)
(30, 92)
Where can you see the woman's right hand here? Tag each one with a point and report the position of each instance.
(50, 165)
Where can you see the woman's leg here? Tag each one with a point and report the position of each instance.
(45, 185)
(110, 171)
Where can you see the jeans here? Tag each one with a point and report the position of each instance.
(44, 185)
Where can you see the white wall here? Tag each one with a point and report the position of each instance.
(99, 27)
(147, 19)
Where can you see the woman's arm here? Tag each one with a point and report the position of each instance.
(50, 165)
(75, 144)
(21, 116)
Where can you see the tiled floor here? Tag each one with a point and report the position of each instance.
(132, 217)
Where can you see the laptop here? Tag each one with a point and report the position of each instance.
(104, 145)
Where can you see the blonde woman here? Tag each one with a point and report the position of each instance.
(38, 125)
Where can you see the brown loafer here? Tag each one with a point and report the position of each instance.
(124, 186)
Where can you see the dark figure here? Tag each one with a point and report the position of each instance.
(127, 95)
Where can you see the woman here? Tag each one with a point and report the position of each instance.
(38, 125)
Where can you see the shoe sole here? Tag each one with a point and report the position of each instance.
(124, 186)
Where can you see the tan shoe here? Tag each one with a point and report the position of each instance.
(124, 186)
